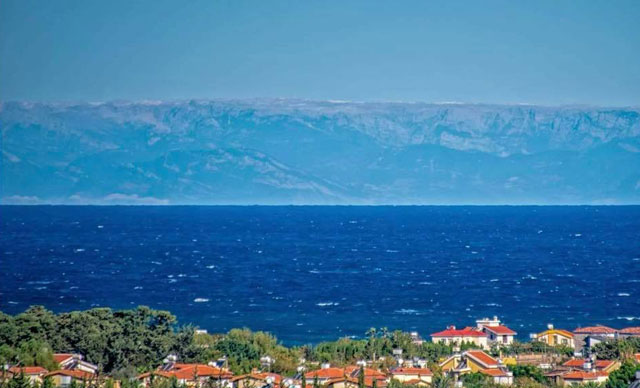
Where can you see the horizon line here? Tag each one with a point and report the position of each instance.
(307, 100)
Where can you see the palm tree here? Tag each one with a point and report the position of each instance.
(442, 381)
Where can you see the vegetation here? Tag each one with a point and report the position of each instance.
(528, 371)
(620, 349)
(621, 378)
(125, 343)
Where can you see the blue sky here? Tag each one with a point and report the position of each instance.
(542, 52)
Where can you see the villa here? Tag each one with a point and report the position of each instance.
(63, 377)
(477, 361)
(188, 374)
(555, 337)
(74, 361)
(453, 336)
(345, 377)
(34, 373)
(596, 334)
(256, 379)
(414, 376)
(496, 332)
(629, 332)
(487, 331)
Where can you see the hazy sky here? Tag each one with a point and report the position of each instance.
(545, 52)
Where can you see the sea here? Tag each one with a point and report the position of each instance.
(313, 273)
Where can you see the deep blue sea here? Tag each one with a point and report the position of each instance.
(314, 273)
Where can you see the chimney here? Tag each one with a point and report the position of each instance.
(451, 327)
(325, 365)
(550, 326)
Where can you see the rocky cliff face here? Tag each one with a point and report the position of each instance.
(293, 151)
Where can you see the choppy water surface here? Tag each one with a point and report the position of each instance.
(314, 273)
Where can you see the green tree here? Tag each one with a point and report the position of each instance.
(19, 381)
(622, 377)
(361, 378)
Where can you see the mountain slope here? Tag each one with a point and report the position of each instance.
(293, 151)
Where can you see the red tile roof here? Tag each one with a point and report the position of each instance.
(412, 371)
(579, 362)
(637, 356)
(60, 357)
(28, 370)
(595, 330)
(188, 371)
(326, 373)
(631, 330)
(500, 330)
(466, 332)
(582, 375)
(495, 372)
(76, 374)
(260, 376)
(483, 357)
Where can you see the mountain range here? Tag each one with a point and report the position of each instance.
(287, 151)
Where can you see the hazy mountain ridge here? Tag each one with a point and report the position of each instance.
(295, 151)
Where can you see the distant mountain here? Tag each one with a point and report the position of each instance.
(317, 152)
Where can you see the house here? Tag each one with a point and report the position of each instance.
(581, 370)
(496, 333)
(592, 364)
(256, 379)
(555, 337)
(414, 376)
(63, 377)
(34, 373)
(188, 374)
(452, 336)
(629, 332)
(345, 377)
(598, 332)
(476, 361)
(74, 361)
(583, 377)
(499, 376)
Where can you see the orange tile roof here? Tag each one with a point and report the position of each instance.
(412, 371)
(637, 356)
(579, 362)
(631, 330)
(60, 357)
(189, 371)
(582, 375)
(501, 330)
(482, 357)
(28, 370)
(466, 332)
(326, 373)
(495, 372)
(263, 376)
(595, 330)
(76, 374)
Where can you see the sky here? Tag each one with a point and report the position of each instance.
(538, 52)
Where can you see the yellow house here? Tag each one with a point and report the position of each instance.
(63, 377)
(476, 361)
(415, 376)
(556, 337)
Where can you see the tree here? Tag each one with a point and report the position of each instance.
(19, 381)
(475, 380)
(530, 371)
(442, 381)
(621, 378)
(361, 378)
(47, 382)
